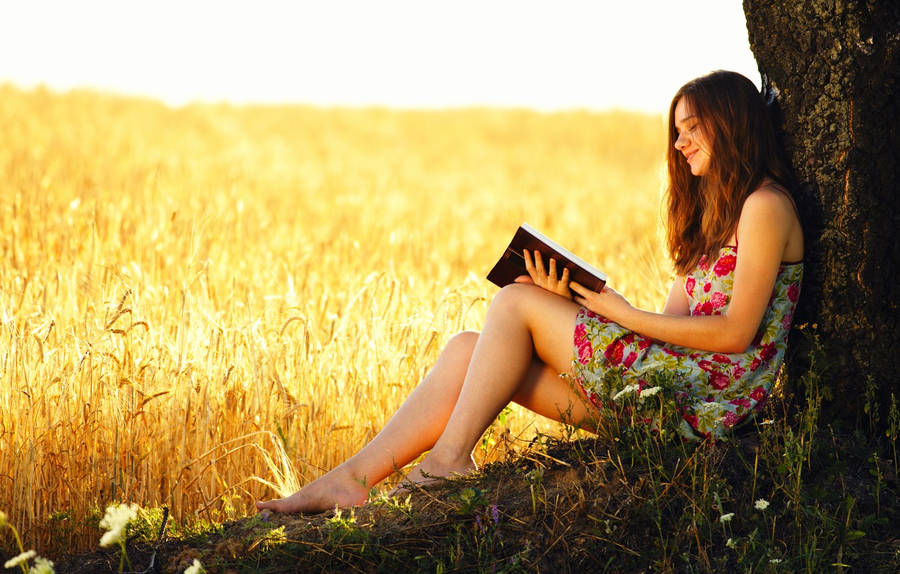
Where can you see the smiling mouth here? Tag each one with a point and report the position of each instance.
(688, 156)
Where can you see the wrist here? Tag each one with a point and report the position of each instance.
(624, 315)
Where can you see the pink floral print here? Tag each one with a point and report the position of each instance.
(725, 265)
(715, 391)
(689, 284)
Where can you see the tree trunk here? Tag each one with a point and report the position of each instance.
(835, 66)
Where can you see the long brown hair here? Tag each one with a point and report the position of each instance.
(703, 212)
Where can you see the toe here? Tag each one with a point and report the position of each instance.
(267, 505)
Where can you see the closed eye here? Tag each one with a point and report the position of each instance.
(691, 121)
(690, 130)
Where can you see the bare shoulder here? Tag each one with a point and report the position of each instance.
(770, 210)
(770, 199)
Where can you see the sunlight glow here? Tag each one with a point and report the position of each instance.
(399, 53)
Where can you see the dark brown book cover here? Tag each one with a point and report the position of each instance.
(512, 262)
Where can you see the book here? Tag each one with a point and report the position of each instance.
(512, 263)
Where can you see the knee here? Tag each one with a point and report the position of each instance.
(513, 295)
(462, 344)
(450, 368)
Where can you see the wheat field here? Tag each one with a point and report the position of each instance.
(197, 300)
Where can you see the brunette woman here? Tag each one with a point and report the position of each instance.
(737, 247)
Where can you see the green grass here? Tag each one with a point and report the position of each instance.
(633, 498)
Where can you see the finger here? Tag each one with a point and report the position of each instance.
(539, 263)
(533, 272)
(552, 273)
(580, 300)
(578, 288)
(564, 285)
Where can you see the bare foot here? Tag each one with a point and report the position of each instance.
(431, 469)
(336, 488)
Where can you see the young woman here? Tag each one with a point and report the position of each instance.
(737, 246)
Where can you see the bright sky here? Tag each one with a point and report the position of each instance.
(549, 55)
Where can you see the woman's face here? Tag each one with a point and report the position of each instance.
(691, 141)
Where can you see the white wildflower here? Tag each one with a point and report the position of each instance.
(775, 560)
(41, 566)
(115, 520)
(195, 568)
(761, 504)
(20, 559)
(726, 517)
(625, 390)
(731, 543)
(649, 392)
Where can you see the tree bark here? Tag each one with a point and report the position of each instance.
(835, 66)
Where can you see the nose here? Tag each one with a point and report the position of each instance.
(681, 141)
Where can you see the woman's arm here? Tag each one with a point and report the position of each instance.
(767, 219)
(677, 301)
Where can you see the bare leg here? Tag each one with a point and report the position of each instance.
(523, 321)
(411, 431)
(422, 419)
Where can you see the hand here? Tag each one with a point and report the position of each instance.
(607, 302)
(549, 281)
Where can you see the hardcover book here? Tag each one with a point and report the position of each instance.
(512, 262)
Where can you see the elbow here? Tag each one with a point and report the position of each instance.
(736, 334)
(737, 342)
(734, 348)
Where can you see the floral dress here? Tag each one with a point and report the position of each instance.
(713, 391)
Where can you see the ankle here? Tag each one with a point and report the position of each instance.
(347, 476)
(451, 458)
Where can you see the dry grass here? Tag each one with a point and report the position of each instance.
(186, 293)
